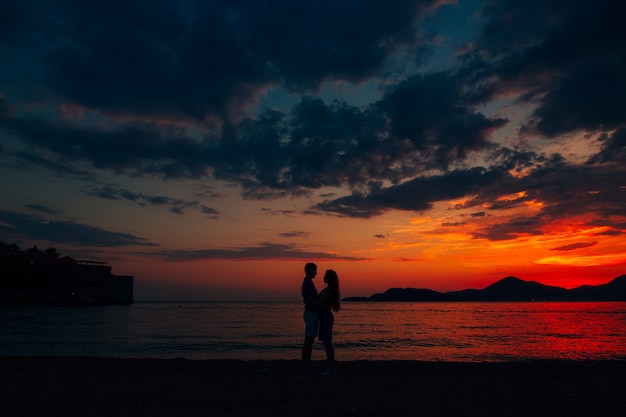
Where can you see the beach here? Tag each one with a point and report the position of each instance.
(75, 386)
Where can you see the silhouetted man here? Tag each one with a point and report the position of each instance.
(311, 316)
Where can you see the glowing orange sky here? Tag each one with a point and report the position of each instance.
(420, 253)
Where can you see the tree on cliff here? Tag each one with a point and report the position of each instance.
(52, 252)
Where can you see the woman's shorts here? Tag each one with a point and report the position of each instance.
(327, 319)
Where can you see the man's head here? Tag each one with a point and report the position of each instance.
(310, 270)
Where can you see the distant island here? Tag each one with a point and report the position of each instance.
(508, 289)
(36, 277)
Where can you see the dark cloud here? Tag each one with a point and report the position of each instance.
(295, 233)
(170, 60)
(334, 144)
(209, 210)
(453, 224)
(568, 57)
(15, 225)
(613, 148)
(262, 251)
(575, 246)
(408, 260)
(310, 42)
(27, 159)
(15, 15)
(593, 193)
(617, 231)
(512, 229)
(321, 144)
(195, 59)
(7, 110)
(177, 206)
(434, 114)
(42, 208)
(563, 190)
(273, 212)
(201, 59)
(415, 195)
(136, 149)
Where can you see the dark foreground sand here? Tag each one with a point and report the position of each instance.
(177, 387)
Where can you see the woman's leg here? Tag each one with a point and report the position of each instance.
(330, 354)
(326, 336)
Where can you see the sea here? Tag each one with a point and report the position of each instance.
(422, 331)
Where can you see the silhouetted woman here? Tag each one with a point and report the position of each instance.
(329, 299)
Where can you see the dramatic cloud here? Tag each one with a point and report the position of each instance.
(567, 57)
(260, 252)
(575, 246)
(417, 195)
(22, 226)
(178, 206)
(173, 90)
(229, 53)
(200, 59)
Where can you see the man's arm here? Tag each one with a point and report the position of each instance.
(309, 293)
(313, 301)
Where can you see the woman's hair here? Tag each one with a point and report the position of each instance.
(333, 282)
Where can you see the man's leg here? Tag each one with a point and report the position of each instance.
(307, 349)
(311, 321)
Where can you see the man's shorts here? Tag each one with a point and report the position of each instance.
(311, 323)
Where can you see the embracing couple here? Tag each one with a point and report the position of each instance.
(318, 316)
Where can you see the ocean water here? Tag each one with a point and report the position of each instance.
(457, 332)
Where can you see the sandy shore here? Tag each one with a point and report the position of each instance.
(178, 387)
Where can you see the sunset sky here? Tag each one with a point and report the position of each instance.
(212, 148)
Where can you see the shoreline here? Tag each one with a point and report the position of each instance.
(78, 386)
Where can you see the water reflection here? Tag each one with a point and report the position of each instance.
(472, 332)
(487, 331)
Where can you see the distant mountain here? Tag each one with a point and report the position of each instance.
(612, 291)
(513, 289)
(410, 294)
(508, 289)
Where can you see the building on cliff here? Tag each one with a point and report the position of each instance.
(34, 277)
